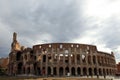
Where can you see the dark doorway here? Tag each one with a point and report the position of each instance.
(78, 71)
(54, 71)
(44, 58)
(84, 71)
(38, 71)
(49, 71)
(18, 56)
(23, 70)
(61, 71)
(20, 68)
(28, 70)
(95, 71)
(73, 71)
(90, 72)
(100, 72)
(66, 70)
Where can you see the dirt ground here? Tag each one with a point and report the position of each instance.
(50, 78)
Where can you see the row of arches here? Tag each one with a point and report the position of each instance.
(74, 71)
(90, 59)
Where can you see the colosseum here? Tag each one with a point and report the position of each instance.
(60, 59)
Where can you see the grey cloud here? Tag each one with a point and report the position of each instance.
(111, 33)
(59, 18)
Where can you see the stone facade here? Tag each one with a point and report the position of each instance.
(61, 59)
(118, 69)
(4, 63)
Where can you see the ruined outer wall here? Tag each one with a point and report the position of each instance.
(76, 59)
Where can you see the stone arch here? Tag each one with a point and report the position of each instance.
(107, 72)
(89, 59)
(104, 73)
(83, 58)
(35, 68)
(44, 58)
(43, 71)
(73, 58)
(20, 65)
(98, 59)
(110, 72)
(18, 56)
(78, 58)
(28, 70)
(66, 70)
(61, 71)
(54, 71)
(94, 59)
(90, 71)
(95, 71)
(49, 71)
(73, 71)
(102, 61)
(100, 72)
(23, 70)
(38, 71)
(78, 71)
(84, 71)
(25, 57)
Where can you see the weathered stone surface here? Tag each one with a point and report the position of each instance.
(62, 59)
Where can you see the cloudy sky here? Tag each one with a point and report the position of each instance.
(95, 22)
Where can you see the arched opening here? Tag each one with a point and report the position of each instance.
(84, 71)
(66, 70)
(73, 71)
(44, 58)
(94, 60)
(107, 72)
(104, 72)
(61, 71)
(90, 71)
(38, 71)
(49, 71)
(43, 71)
(66, 58)
(95, 71)
(18, 56)
(49, 58)
(20, 68)
(23, 70)
(28, 70)
(73, 58)
(89, 59)
(83, 58)
(78, 71)
(25, 57)
(100, 72)
(110, 72)
(102, 60)
(78, 58)
(99, 61)
(54, 71)
(35, 69)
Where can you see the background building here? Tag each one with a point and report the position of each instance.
(118, 69)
